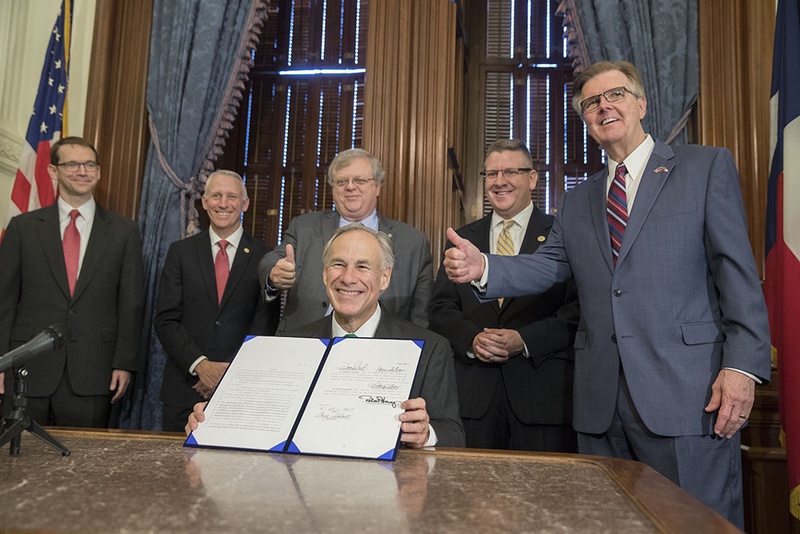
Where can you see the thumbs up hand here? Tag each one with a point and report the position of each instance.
(282, 275)
(464, 262)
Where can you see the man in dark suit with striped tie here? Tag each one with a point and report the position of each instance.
(513, 357)
(209, 299)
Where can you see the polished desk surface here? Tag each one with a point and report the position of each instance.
(116, 481)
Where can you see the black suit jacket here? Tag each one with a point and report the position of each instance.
(104, 316)
(434, 381)
(539, 388)
(189, 320)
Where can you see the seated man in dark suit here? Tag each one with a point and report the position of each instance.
(514, 359)
(358, 265)
(355, 177)
(209, 300)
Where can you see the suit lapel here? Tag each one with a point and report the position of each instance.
(650, 187)
(597, 206)
(240, 261)
(329, 225)
(479, 235)
(536, 233)
(101, 236)
(205, 259)
(387, 328)
(50, 237)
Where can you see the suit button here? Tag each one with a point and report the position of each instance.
(617, 292)
(324, 304)
(613, 338)
(71, 311)
(217, 323)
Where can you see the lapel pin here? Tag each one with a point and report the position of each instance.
(246, 250)
(541, 239)
(661, 169)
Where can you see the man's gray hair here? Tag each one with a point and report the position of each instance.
(232, 174)
(384, 241)
(625, 67)
(346, 157)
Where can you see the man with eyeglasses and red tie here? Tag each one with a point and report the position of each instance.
(513, 357)
(295, 266)
(673, 333)
(76, 263)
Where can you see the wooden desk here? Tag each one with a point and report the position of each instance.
(118, 481)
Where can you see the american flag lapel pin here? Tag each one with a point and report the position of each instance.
(661, 169)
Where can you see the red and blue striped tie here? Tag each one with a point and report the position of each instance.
(617, 210)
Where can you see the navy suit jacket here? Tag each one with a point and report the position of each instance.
(104, 315)
(189, 320)
(434, 381)
(406, 297)
(539, 388)
(683, 301)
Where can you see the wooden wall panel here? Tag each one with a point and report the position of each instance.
(115, 108)
(413, 111)
(735, 39)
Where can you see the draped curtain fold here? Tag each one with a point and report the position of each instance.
(658, 36)
(200, 55)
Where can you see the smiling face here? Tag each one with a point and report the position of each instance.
(75, 187)
(355, 202)
(616, 126)
(354, 278)
(224, 200)
(509, 194)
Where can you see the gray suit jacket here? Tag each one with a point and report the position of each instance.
(406, 297)
(684, 299)
(104, 315)
(435, 381)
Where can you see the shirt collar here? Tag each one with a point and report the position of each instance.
(233, 239)
(636, 160)
(522, 218)
(370, 221)
(367, 329)
(87, 209)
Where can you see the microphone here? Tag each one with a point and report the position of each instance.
(50, 339)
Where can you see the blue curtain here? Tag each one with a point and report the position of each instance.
(659, 37)
(200, 54)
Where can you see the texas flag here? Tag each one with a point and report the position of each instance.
(782, 281)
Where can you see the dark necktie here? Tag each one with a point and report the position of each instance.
(617, 210)
(72, 250)
(350, 335)
(221, 268)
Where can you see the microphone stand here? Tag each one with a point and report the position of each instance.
(19, 420)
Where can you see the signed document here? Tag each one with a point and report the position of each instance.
(337, 397)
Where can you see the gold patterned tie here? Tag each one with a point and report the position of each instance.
(505, 246)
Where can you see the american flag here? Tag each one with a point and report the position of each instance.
(33, 188)
(782, 280)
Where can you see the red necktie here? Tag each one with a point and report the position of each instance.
(617, 210)
(221, 268)
(72, 250)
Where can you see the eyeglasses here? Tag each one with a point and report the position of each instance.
(508, 173)
(73, 166)
(344, 182)
(612, 95)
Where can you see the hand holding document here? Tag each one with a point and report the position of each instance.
(312, 396)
